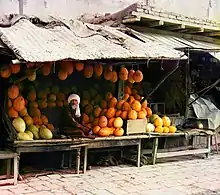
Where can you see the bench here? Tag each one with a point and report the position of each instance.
(169, 153)
(53, 145)
(8, 155)
(108, 142)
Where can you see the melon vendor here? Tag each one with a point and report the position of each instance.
(71, 123)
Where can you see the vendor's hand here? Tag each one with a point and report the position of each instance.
(88, 130)
(84, 128)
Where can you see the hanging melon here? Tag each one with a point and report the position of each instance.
(46, 69)
(5, 72)
(107, 74)
(98, 69)
(138, 76)
(123, 75)
(67, 66)
(62, 75)
(114, 78)
(15, 68)
(88, 71)
(79, 66)
(130, 76)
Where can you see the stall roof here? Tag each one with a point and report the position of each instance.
(79, 41)
(176, 42)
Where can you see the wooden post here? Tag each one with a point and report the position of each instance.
(78, 160)
(8, 168)
(208, 145)
(85, 159)
(16, 169)
(154, 150)
(187, 86)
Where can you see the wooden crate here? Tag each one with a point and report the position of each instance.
(135, 126)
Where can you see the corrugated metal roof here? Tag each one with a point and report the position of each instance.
(81, 42)
(176, 42)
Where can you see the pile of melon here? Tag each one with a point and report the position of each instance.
(160, 125)
(25, 114)
(105, 115)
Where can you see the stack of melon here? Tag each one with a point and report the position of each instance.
(160, 125)
(25, 119)
(106, 115)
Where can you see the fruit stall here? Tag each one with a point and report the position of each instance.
(113, 105)
(117, 99)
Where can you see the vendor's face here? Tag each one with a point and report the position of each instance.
(74, 102)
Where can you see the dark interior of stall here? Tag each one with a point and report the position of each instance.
(204, 72)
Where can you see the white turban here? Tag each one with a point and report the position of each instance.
(76, 107)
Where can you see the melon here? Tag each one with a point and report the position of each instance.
(45, 133)
(19, 124)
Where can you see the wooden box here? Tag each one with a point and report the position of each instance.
(135, 126)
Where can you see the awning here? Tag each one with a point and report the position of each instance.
(79, 41)
(176, 42)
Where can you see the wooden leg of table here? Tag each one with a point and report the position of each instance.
(78, 160)
(154, 150)
(139, 154)
(85, 159)
(8, 168)
(16, 171)
(208, 145)
(70, 158)
(121, 152)
(62, 160)
(216, 141)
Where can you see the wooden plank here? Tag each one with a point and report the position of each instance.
(149, 151)
(78, 145)
(7, 155)
(182, 153)
(129, 137)
(44, 141)
(44, 149)
(113, 143)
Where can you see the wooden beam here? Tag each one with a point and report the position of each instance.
(196, 30)
(212, 34)
(131, 20)
(173, 21)
(175, 27)
(144, 29)
(156, 23)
